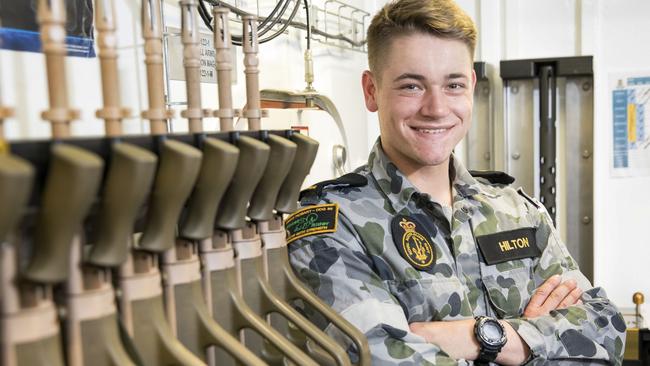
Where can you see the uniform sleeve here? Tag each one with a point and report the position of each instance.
(591, 332)
(336, 267)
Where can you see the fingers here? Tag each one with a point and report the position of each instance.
(571, 299)
(558, 295)
(534, 307)
(421, 329)
(543, 291)
(553, 294)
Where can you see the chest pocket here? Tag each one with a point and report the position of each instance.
(431, 298)
(509, 291)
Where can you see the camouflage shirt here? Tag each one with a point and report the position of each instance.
(396, 257)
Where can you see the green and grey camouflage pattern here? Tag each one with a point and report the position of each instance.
(362, 273)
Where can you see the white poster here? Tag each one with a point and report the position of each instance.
(631, 126)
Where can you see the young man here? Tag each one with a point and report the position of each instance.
(434, 265)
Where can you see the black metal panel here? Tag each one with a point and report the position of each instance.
(480, 68)
(547, 139)
(644, 350)
(530, 68)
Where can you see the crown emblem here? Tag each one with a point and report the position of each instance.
(408, 226)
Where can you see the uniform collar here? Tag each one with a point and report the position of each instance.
(391, 181)
(399, 190)
(466, 185)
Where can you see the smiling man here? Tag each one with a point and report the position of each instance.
(437, 265)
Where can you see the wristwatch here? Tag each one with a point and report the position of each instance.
(491, 336)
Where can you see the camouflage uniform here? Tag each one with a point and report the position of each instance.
(359, 272)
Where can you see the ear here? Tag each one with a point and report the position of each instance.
(473, 79)
(369, 85)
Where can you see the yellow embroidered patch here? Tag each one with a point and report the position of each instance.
(412, 242)
(312, 220)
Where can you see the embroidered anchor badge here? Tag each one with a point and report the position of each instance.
(416, 248)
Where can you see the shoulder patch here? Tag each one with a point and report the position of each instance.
(315, 192)
(312, 220)
(493, 176)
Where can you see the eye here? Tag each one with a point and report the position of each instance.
(456, 86)
(410, 87)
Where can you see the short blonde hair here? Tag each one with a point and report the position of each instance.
(441, 18)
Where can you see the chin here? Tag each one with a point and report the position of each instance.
(433, 156)
(432, 160)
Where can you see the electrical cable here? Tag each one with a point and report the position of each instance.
(285, 26)
(263, 27)
(308, 25)
(262, 31)
(203, 12)
(272, 14)
(237, 40)
(207, 19)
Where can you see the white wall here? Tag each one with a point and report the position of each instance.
(622, 205)
(611, 31)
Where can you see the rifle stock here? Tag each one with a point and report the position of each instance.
(16, 178)
(282, 152)
(178, 168)
(71, 186)
(217, 168)
(253, 157)
(287, 200)
(127, 185)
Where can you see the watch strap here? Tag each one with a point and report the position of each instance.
(488, 353)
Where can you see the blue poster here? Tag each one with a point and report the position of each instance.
(631, 130)
(19, 27)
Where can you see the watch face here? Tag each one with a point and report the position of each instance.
(492, 332)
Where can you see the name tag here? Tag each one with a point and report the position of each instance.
(508, 245)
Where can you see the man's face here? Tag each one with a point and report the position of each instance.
(423, 97)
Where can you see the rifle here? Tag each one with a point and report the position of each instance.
(16, 178)
(93, 333)
(72, 182)
(186, 304)
(222, 282)
(258, 293)
(280, 274)
(143, 312)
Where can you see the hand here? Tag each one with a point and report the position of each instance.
(553, 294)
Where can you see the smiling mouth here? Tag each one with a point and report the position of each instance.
(432, 131)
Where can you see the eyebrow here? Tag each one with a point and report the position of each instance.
(419, 77)
(410, 76)
(457, 76)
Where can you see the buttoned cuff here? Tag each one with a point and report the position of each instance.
(531, 335)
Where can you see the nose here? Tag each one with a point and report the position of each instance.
(435, 104)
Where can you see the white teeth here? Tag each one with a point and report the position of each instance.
(431, 130)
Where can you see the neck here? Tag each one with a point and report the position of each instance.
(432, 179)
